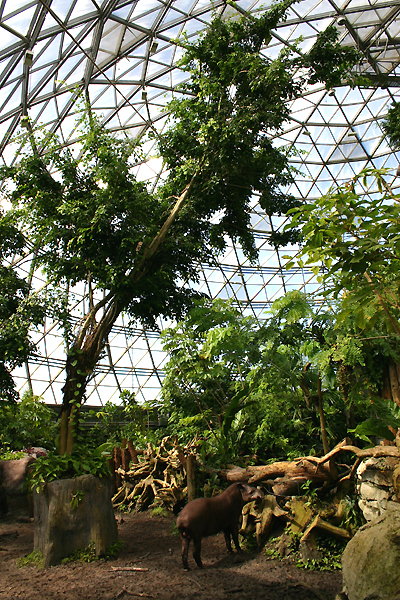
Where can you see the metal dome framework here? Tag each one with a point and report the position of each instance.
(123, 55)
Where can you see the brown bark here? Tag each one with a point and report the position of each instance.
(190, 475)
(321, 524)
(302, 468)
(394, 382)
(92, 337)
(375, 452)
(287, 477)
(117, 463)
(125, 459)
(134, 453)
(324, 436)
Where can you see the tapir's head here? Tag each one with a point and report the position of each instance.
(250, 493)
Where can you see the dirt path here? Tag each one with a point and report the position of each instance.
(151, 544)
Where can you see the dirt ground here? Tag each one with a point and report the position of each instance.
(151, 545)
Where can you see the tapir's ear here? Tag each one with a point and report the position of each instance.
(240, 486)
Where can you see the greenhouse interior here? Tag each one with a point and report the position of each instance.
(199, 298)
(124, 56)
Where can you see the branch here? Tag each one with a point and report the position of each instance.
(375, 452)
(90, 317)
(161, 235)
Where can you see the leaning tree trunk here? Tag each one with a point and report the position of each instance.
(92, 336)
(82, 359)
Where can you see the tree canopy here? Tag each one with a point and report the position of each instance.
(91, 221)
(350, 238)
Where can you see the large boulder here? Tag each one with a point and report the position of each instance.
(13, 487)
(370, 562)
(71, 513)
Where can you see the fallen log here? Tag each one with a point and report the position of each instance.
(301, 468)
(287, 477)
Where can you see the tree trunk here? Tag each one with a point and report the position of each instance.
(92, 336)
(394, 382)
(190, 475)
(322, 417)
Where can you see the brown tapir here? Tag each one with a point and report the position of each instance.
(206, 516)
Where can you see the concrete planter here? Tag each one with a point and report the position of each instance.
(70, 513)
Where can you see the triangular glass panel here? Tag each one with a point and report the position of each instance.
(123, 13)
(14, 100)
(50, 113)
(35, 110)
(322, 24)
(130, 38)
(326, 112)
(22, 21)
(351, 110)
(68, 66)
(82, 7)
(170, 16)
(193, 26)
(68, 126)
(105, 100)
(358, 152)
(7, 39)
(50, 23)
(363, 32)
(321, 8)
(39, 75)
(335, 170)
(13, 5)
(112, 41)
(394, 29)
(337, 117)
(68, 42)
(62, 100)
(165, 57)
(326, 137)
(375, 106)
(61, 8)
(50, 55)
(337, 155)
(147, 21)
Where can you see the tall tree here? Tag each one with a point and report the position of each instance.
(95, 223)
(20, 311)
(351, 241)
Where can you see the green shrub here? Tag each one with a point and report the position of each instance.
(26, 423)
(83, 461)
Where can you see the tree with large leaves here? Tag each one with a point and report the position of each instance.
(351, 241)
(95, 223)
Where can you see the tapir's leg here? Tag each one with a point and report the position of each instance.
(227, 534)
(185, 551)
(235, 537)
(197, 552)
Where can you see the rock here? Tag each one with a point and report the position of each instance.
(70, 513)
(13, 489)
(370, 562)
(396, 482)
(374, 485)
(14, 475)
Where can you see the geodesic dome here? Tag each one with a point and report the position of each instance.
(123, 55)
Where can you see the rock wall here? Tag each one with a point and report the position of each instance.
(374, 485)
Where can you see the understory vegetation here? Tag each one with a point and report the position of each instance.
(293, 382)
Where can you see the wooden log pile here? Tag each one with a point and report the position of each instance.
(159, 479)
(285, 478)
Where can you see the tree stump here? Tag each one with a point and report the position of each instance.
(71, 513)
